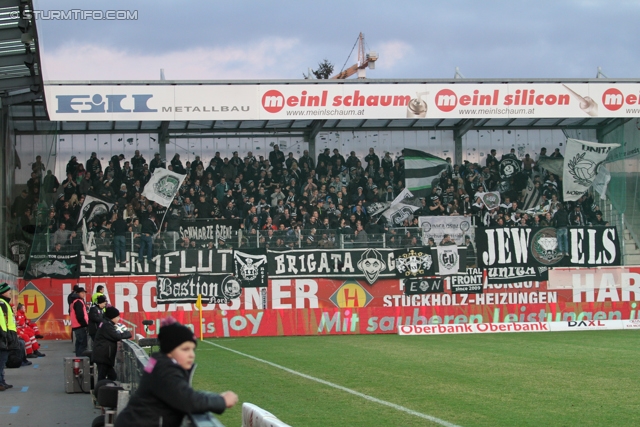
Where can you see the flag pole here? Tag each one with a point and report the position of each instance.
(199, 306)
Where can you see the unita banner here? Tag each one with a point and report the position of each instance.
(312, 306)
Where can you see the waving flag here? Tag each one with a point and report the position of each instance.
(163, 186)
(420, 169)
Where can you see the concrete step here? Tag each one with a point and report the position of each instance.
(633, 259)
(631, 248)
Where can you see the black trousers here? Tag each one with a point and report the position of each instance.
(106, 372)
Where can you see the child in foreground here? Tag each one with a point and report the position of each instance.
(164, 395)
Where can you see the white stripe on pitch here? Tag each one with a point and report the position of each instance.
(345, 389)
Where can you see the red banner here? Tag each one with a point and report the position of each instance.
(326, 306)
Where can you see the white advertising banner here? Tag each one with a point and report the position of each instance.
(437, 226)
(490, 328)
(71, 102)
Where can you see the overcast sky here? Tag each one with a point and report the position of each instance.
(252, 39)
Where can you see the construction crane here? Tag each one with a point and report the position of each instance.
(364, 61)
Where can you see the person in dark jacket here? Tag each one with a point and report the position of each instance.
(164, 395)
(96, 316)
(561, 220)
(106, 345)
(120, 230)
(149, 229)
(79, 320)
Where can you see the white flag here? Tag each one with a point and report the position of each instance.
(163, 186)
(491, 200)
(581, 163)
(601, 181)
(448, 260)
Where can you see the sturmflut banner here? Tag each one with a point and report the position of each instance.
(528, 246)
(175, 262)
(458, 227)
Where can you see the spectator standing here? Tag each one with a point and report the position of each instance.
(96, 315)
(79, 320)
(7, 330)
(561, 222)
(106, 344)
(98, 293)
(50, 186)
(149, 228)
(120, 229)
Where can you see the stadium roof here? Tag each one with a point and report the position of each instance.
(35, 120)
(20, 77)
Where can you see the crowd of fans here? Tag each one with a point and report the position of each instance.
(282, 200)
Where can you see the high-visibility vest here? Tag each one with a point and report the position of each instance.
(7, 321)
(74, 320)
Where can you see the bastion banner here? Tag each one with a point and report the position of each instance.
(316, 306)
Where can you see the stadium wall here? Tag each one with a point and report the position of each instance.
(319, 306)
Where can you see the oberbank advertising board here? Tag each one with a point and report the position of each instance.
(68, 102)
(316, 306)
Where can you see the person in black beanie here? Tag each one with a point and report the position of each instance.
(106, 344)
(96, 315)
(164, 395)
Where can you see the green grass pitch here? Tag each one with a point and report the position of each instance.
(588, 378)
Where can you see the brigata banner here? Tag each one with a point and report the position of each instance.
(53, 264)
(367, 264)
(185, 261)
(208, 230)
(311, 100)
(436, 227)
(213, 288)
(528, 246)
(322, 306)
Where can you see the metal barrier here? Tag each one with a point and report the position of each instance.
(130, 362)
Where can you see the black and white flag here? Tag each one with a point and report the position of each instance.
(423, 285)
(582, 159)
(250, 268)
(93, 207)
(509, 167)
(414, 262)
